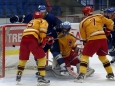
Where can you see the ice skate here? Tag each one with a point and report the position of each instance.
(18, 77)
(42, 81)
(37, 73)
(80, 78)
(90, 71)
(110, 76)
(64, 72)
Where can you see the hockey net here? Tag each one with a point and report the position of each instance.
(10, 38)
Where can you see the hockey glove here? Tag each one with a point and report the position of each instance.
(107, 32)
(50, 40)
(14, 19)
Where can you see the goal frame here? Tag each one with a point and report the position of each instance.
(3, 38)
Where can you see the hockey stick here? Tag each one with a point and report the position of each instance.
(64, 35)
(105, 52)
(73, 59)
(72, 72)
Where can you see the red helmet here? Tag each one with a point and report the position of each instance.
(87, 10)
(37, 15)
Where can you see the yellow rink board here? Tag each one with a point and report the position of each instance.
(14, 52)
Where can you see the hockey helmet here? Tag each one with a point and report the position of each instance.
(42, 8)
(110, 10)
(66, 26)
(37, 15)
(87, 10)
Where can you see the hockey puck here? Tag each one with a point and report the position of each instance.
(13, 45)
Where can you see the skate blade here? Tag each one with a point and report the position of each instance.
(79, 81)
(43, 84)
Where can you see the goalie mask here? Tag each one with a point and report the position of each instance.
(66, 26)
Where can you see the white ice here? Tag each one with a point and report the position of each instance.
(29, 79)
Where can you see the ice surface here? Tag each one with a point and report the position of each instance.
(29, 78)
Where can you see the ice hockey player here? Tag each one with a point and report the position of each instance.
(69, 49)
(111, 37)
(91, 30)
(33, 40)
(53, 22)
